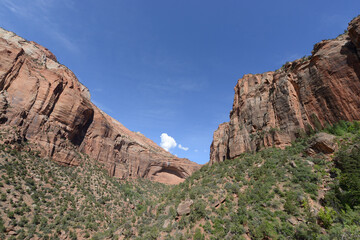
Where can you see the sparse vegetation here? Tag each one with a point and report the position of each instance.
(274, 193)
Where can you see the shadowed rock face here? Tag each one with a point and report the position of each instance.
(273, 108)
(53, 109)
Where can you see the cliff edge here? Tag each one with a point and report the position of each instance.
(274, 108)
(45, 100)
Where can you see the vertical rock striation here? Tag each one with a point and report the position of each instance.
(273, 108)
(45, 100)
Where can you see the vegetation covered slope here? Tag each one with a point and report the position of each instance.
(293, 193)
(40, 199)
(278, 194)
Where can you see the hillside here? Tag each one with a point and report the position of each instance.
(305, 191)
(41, 199)
(301, 192)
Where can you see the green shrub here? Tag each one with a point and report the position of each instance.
(327, 216)
(218, 227)
(343, 127)
(264, 230)
(198, 235)
(3, 197)
(72, 235)
(11, 215)
(198, 210)
(348, 161)
(23, 221)
(2, 227)
(289, 205)
(307, 232)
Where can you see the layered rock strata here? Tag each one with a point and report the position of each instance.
(274, 108)
(45, 100)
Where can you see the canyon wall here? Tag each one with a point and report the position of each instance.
(52, 109)
(274, 108)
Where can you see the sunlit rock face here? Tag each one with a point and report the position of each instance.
(273, 108)
(53, 109)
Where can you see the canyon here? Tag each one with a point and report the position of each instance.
(286, 165)
(48, 106)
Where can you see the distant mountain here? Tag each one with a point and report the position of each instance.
(274, 108)
(51, 108)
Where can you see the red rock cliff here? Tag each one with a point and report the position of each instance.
(53, 109)
(273, 108)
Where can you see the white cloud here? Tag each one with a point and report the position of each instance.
(183, 148)
(196, 150)
(167, 142)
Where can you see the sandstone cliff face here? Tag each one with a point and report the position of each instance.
(273, 108)
(53, 109)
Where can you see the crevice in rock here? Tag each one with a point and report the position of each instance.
(12, 73)
(53, 99)
(80, 129)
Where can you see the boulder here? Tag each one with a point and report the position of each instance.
(184, 207)
(167, 223)
(323, 142)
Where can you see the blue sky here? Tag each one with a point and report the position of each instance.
(166, 66)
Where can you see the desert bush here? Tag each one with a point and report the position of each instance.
(327, 216)
(198, 235)
(348, 161)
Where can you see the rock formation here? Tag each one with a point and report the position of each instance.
(323, 143)
(184, 207)
(45, 100)
(273, 108)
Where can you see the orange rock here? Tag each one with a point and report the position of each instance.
(273, 108)
(53, 109)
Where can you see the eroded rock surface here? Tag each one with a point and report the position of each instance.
(184, 207)
(45, 100)
(273, 108)
(324, 143)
